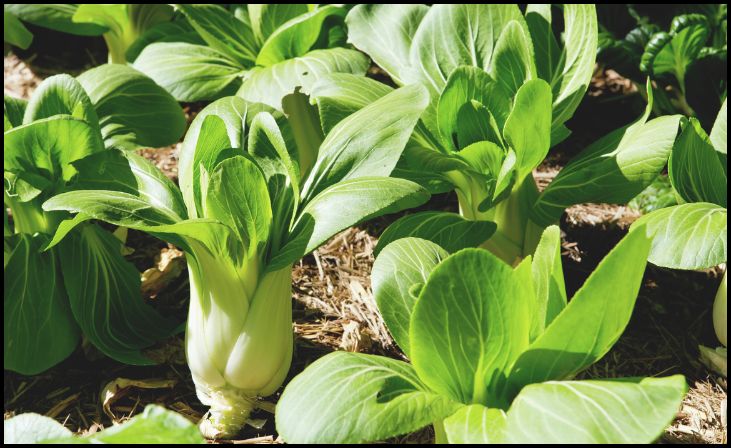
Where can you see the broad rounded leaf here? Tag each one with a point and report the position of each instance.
(687, 236)
(355, 398)
(33, 428)
(476, 424)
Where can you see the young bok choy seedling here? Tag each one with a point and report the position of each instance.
(693, 234)
(259, 52)
(494, 351)
(249, 214)
(84, 286)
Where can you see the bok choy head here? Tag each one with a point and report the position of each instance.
(244, 214)
(494, 353)
(84, 286)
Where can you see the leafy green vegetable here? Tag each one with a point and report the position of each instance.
(252, 209)
(84, 286)
(155, 425)
(262, 52)
(693, 234)
(482, 371)
(687, 60)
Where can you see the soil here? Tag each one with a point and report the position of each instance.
(333, 302)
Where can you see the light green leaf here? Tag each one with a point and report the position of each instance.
(352, 398)
(548, 280)
(190, 72)
(101, 283)
(464, 85)
(32, 428)
(512, 59)
(219, 126)
(614, 169)
(13, 111)
(296, 37)
(223, 32)
(60, 95)
(133, 111)
(470, 323)
(718, 133)
(14, 32)
(697, 171)
(687, 236)
(356, 200)
(459, 34)
(578, 56)
(402, 265)
(385, 32)
(592, 321)
(528, 127)
(476, 424)
(547, 52)
(608, 411)
(177, 31)
(265, 18)
(156, 425)
(369, 142)
(39, 329)
(54, 16)
(47, 147)
(270, 84)
(449, 230)
(238, 197)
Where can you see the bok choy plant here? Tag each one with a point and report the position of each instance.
(120, 24)
(693, 234)
(259, 52)
(84, 286)
(494, 352)
(249, 213)
(500, 96)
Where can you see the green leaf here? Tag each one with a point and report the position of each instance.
(464, 85)
(352, 398)
(402, 265)
(470, 323)
(578, 56)
(190, 72)
(238, 197)
(449, 230)
(548, 280)
(296, 37)
(155, 425)
(270, 84)
(461, 34)
(32, 428)
(133, 111)
(39, 329)
(512, 59)
(607, 411)
(356, 200)
(547, 52)
(176, 31)
(385, 32)
(592, 321)
(369, 142)
(104, 293)
(61, 95)
(13, 111)
(614, 169)
(223, 32)
(672, 53)
(697, 171)
(476, 424)
(14, 32)
(528, 127)
(687, 236)
(219, 126)
(54, 16)
(266, 18)
(339, 95)
(46, 148)
(718, 133)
